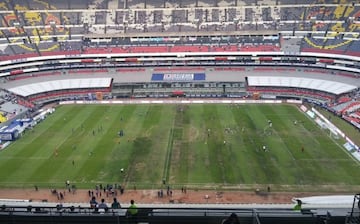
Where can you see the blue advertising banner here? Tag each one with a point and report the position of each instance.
(178, 77)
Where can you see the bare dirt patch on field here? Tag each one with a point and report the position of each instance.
(151, 196)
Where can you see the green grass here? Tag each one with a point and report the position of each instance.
(350, 131)
(172, 142)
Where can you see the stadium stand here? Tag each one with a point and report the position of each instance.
(65, 26)
(65, 50)
(193, 214)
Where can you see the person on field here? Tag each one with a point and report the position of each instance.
(132, 212)
(265, 149)
(232, 219)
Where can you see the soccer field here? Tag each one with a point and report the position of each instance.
(200, 146)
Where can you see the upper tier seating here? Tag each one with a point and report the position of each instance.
(60, 26)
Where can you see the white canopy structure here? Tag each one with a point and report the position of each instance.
(299, 82)
(48, 86)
